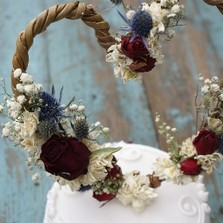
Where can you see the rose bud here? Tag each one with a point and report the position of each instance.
(206, 142)
(66, 157)
(115, 172)
(133, 48)
(143, 64)
(103, 197)
(190, 167)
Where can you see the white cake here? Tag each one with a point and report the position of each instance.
(175, 204)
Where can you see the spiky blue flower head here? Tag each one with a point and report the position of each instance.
(141, 23)
(49, 107)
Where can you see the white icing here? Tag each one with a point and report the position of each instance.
(174, 203)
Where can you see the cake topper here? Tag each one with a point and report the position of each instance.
(60, 140)
(139, 50)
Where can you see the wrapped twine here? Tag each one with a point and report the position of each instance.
(38, 25)
(218, 3)
(73, 11)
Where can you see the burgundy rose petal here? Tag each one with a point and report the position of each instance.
(206, 142)
(133, 48)
(103, 197)
(143, 64)
(115, 172)
(66, 157)
(190, 167)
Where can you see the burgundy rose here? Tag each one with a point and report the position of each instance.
(190, 167)
(133, 48)
(66, 157)
(103, 197)
(206, 142)
(114, 178)
(143, 64)
(115, 172)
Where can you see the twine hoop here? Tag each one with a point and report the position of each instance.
(217, 3)
(73, 11)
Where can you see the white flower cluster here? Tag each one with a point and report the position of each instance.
(22, 130)
(165, 15)
(136, 191)
(121, 63)
(166, 169)
(169, 168)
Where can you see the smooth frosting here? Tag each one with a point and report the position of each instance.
(174, 203)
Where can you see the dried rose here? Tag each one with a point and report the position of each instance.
(103, 197)
(133, 48)
(112, 181)
(206, 142)
(143, 64)
(190, 167)
(66, 157)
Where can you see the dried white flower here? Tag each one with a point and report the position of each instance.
(30, 122)
(187, 149)
(26, 78)
(96, 169)
(136, 191)
(208, 161)
(21, 99)
(17, 73)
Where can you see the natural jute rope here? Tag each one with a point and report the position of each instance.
(218, 3)
(74, 10)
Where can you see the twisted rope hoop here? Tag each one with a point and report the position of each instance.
(73, 11)
(218, 3)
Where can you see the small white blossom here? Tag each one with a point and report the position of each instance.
(17, 73)
(175, 9)
(81, 108)
(205, 89)
(97, 124)
(187, 149)
(29, 88)
(20, 87)
(21, 99)
(36, 178)
(105, 130)
(215, 87)
(130, 14)
(207, 81)
(221, 97)
(73, 107)
(26, 78)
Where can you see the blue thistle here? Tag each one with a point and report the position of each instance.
(49, 107)
(141, 23)
(47, 128)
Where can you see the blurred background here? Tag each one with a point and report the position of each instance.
(68, 55)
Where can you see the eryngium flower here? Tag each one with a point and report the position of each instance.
(81, 128)
(47, 128)
(50, 108)
(141, 23)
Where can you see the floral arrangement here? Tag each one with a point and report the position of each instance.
(59, 140)
(198, 153)
(139, 51)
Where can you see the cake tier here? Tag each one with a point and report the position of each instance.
(174, 203)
